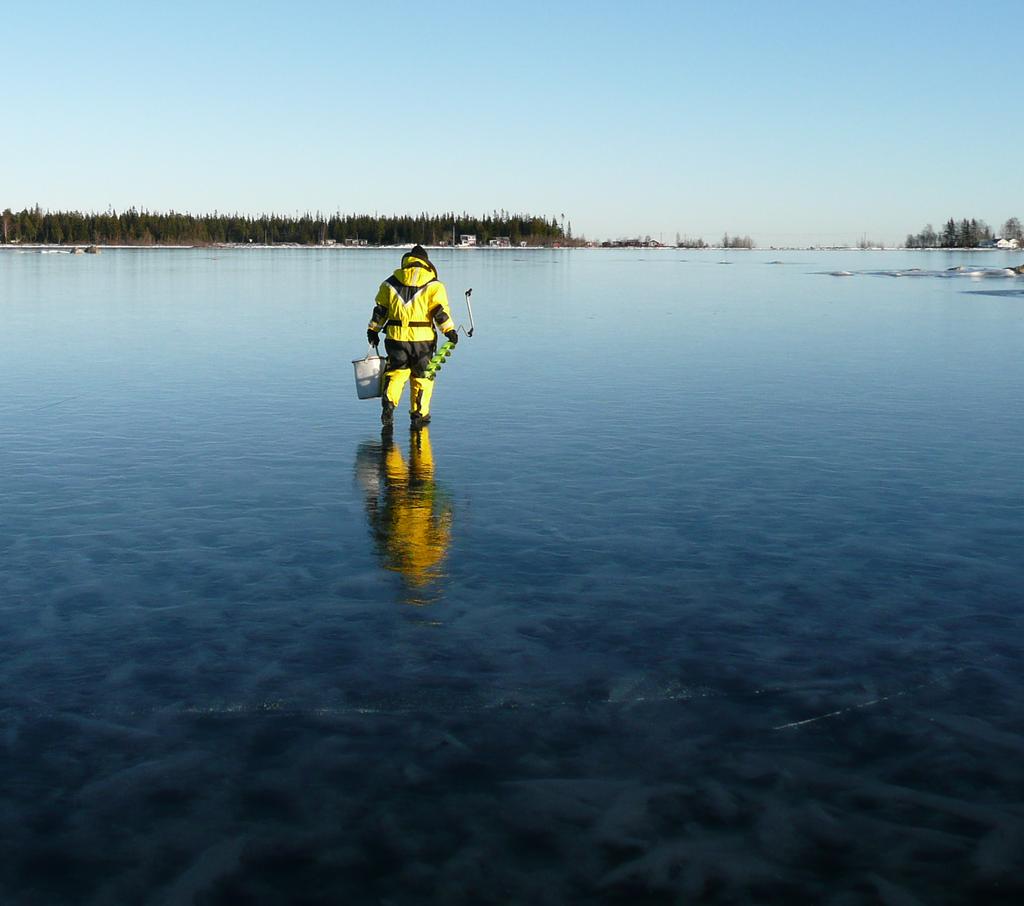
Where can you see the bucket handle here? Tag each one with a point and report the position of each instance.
(370, 350)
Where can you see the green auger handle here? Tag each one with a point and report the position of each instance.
(434, 365)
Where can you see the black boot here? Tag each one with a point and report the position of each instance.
(418, 421)
(387, 412)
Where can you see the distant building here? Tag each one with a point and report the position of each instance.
(500, 242)
(1007, 244)
(467, 239)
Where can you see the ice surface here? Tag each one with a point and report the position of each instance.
(713, 593)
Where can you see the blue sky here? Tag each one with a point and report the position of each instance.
(792, 122)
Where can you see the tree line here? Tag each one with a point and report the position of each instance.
(963, 234)
(135, 227)
(737, 242)
(728, 242)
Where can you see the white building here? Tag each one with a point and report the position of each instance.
(466, 239)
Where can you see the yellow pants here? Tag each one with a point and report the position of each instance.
(420, 392)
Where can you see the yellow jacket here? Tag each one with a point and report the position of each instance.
(410, 302)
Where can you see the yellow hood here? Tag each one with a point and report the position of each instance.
(415, 271)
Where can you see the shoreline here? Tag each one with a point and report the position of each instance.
(71, 248)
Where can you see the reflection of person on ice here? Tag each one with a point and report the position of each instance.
(410, 516)
(408, 306)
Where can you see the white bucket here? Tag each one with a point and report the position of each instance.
(369, 375)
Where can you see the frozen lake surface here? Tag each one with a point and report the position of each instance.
(704, 585)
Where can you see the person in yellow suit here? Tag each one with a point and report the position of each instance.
(410, 516)
(408, 306)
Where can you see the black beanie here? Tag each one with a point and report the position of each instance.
(417, 251)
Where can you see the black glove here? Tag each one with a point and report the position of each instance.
(453, 336)
(373, 337)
